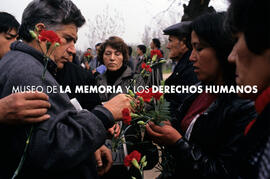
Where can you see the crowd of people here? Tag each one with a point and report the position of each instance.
(69, 135)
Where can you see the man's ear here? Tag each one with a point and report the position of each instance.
(39, 27)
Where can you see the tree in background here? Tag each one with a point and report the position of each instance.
(196, 8)
(104, 25)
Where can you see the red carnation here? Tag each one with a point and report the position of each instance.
(143, 65)
(156, 52)
(133, 155)
(146, 67)
(146, 95)
(126, 116)
(157, 95)
(87, 54)
(49, 36)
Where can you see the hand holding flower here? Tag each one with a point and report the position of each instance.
(117, 104)
(115, 130)
(165, 135)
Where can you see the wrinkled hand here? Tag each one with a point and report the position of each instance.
(103, 166)
(115, 130)
(117, 104)
(165, 135)
(24, 107)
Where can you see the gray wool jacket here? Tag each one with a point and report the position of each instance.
(124, 81)
(62, 147)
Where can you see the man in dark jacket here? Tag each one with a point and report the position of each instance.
(18, 107)
(64, 145)
(183, 74)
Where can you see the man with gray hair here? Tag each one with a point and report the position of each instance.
(63, 146)
(179, 50)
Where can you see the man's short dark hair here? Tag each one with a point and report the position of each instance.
(51, 13)
(156, 42)
(142, 48)
(8, 22)
(252, 17)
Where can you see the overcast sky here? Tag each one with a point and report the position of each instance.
(136, 13)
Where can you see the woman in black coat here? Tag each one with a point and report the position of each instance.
(250, 22)
(205, 134)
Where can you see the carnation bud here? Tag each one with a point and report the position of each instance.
(141, 123)
(144, 164)
(48, 45)
(133, 115)
(135, 163)
(154, 58)
(143, 159)
(142, 71)
(132, 104)
(162, 61)
(131, 93)
(33, 34)
(56, 44)
(141, 101)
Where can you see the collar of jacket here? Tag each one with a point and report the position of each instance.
(188, 101)
(23, 47)
(262, 100)
(184, 60)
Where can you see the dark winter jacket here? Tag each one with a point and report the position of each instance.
(73, 76)
(123, 80)
(214, 139)
(183, 74)
(254, 160)
(61, 147)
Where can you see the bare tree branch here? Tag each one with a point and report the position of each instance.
(105, 25)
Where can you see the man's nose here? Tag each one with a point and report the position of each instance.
(71, 50)
(168, 46)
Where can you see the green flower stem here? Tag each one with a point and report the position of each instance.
(17, 171)
(45, 68)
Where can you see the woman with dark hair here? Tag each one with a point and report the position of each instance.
(249, 20)
(114, 55)
(203, 137)
(155, 44)
(156, 76)
(141, 58)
